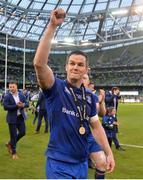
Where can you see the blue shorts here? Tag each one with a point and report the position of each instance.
(64, 170)
(92, 145)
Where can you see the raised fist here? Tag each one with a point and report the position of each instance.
(57, 17)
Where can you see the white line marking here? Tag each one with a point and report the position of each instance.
(131, 145)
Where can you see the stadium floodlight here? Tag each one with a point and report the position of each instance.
(98, 44)
(120, 12)
(84, 41)
(68, 40)
(87, 44)
(139, 9)
(2, 10)
(54, 41)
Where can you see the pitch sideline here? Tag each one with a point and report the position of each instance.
(131, 145)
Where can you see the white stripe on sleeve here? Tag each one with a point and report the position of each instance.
(94, 118)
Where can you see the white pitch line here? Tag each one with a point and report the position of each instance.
(131, 145)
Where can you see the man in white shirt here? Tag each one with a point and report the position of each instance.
(14, 103)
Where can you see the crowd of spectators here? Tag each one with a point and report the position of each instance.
(122, 67)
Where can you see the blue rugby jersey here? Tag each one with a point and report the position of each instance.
(108, 125)
(92, 144)
(66, 143)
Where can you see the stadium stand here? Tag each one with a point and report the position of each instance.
(121, 67)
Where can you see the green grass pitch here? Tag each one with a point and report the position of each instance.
(31, 148)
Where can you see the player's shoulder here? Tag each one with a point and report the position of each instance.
(92, 95)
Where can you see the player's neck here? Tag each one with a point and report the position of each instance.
(74, 82)
(14, 93)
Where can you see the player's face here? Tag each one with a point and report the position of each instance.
(76, 67)
(13, 88)
(113, 111)
(117, 91)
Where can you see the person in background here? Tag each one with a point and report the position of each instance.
(41, 107)
(71, 111)
(112, 97)
(100, 98)
(97, 157)
(35, 111)
(2, 97)
(26, 94)
(14, 104)
(109, 123)
(111, 100)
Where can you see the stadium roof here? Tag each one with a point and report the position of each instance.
(89, 24)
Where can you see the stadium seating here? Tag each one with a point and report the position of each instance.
(118, 67)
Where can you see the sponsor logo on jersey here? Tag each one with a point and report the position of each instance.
(70, 112)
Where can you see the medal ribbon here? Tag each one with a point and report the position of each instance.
(81, 112)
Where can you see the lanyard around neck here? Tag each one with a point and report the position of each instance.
(81, 111)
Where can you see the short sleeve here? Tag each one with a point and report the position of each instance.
(53, 91)
(93, 105)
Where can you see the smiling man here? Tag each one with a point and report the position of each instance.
(14, 103)
(67, 151)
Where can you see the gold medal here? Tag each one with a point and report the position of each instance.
(82, 130)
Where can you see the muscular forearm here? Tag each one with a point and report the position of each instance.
(101, 139)
(43, 71)
(41, 57)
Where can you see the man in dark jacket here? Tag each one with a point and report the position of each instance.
(14, 104)
(111, 98)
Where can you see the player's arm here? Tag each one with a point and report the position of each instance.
(100, 105)
(102, 109)
(44, 73)
(100, 136)
(25, 102)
